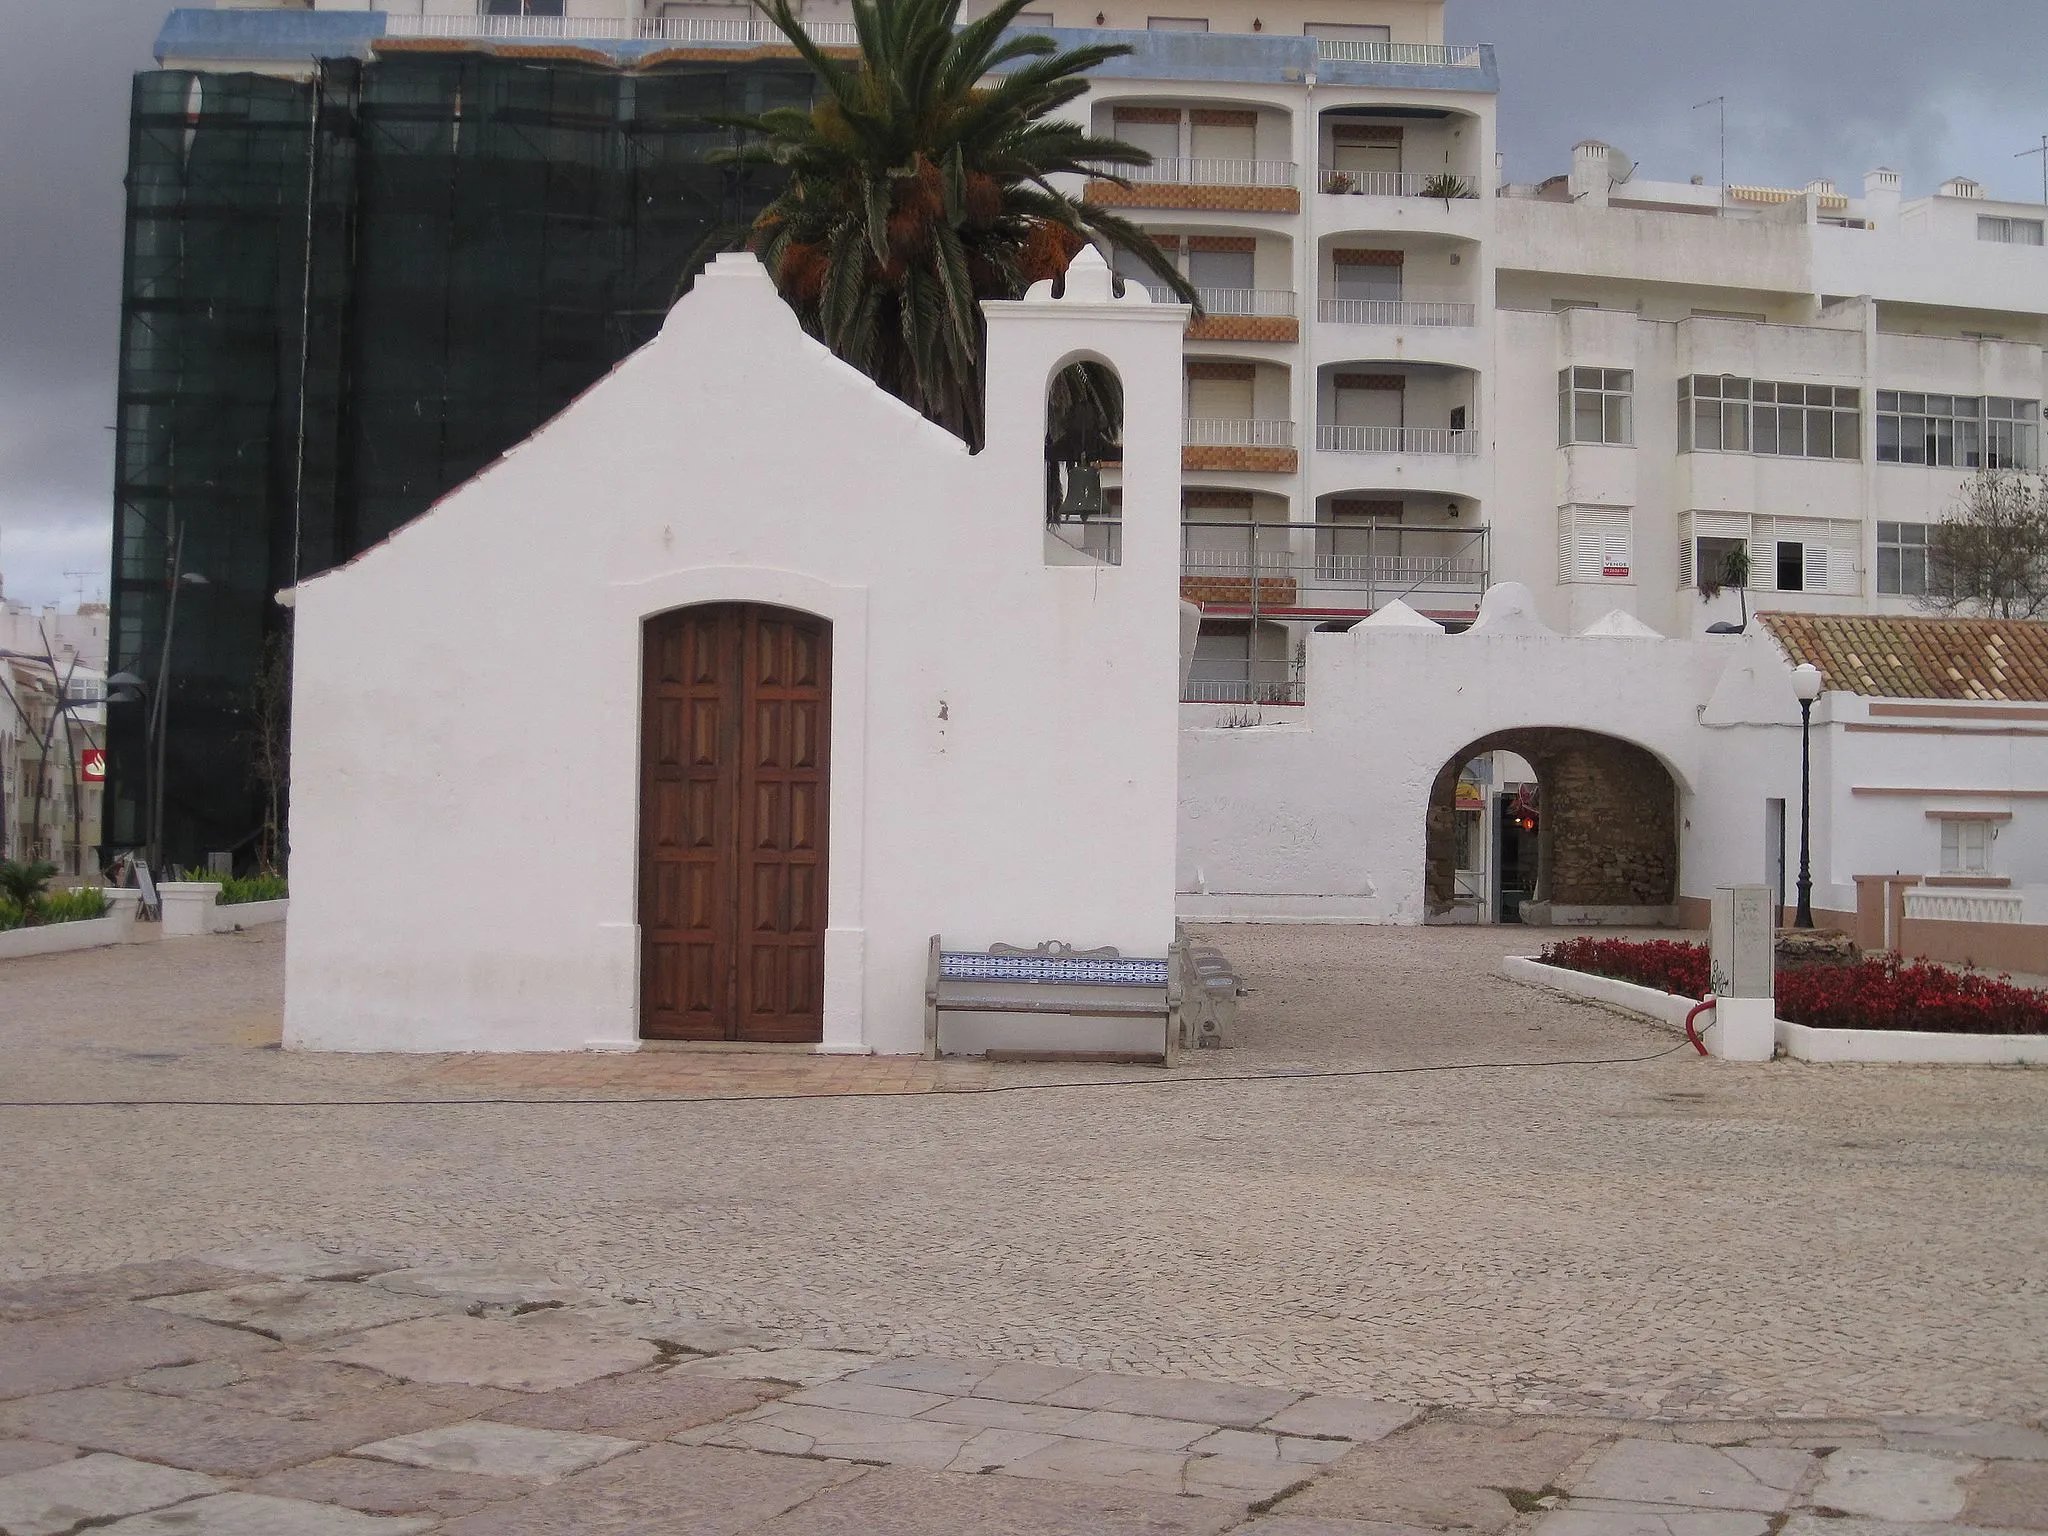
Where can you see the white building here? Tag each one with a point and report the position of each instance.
(51, 809)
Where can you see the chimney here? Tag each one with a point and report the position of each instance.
(1592, 173)
(1961, 186)
(1881, 198)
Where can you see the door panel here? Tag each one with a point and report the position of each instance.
(733, 836)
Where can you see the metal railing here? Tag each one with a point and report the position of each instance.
(1235, 301)
(1396, 184)
(1395, 312)
(1214, 432)
(1343, 50)
(1214, 681)
(645, 29)
(1341, 568)
(1206, 171)
(1439, 440)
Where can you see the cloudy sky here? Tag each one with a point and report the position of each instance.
(1814, 88)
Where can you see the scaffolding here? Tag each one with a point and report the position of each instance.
(346, 295)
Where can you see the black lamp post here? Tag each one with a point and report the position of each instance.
(128, 688)
(1806, 683)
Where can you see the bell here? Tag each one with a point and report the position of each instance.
(1084, 492)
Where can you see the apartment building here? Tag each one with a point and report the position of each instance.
(1412, 379)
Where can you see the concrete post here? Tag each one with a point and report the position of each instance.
(188, 907)
(122, 907)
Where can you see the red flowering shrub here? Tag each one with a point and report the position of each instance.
(1886, 994)
(1666, 964)
(1882, 993)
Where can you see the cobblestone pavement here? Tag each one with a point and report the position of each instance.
(298, 1391)
(1660, 1239)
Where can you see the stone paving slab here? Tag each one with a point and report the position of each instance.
(1256, 1445)
(796, 1366)
(499, 1450)
(1343, 1418)
(1894, 1485)
(646, 1405)
(1206, 1402)
(2009, 1493)
(1966, 1438)
(301, 1311)
(104, 1343)
(1808, 1524)
(894, 1501)
(298, 1261)
(673, 1490)
(503, 1285)
(530, 1355)
(58, 1499)
(840, 1434)
(385, 1488)
(1444, 1475)
(1320, 1525)
(1652, 1520)
(250, 1514)
(1696, 1476)
(1096, 1461)
(27, 1299)
(27, 1455)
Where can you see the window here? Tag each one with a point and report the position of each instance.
(1965, 847)
(1786, 554)
(2012, 431)
(1593, 544)
(1348, 32)
(1713, 414)
(1957, 431)
(1177, 23)
(1371, 275)
(523, 7)
(1902, 559)
(1593, 406)
(2009, 231)
(1806, 421)
(1220, 269)
(1032, 19)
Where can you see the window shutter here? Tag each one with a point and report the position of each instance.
(1593, 544)
(1816, 557)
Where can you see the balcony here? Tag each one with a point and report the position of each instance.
(1444, 186)
(1240, 314)
(1186, 171)
(1419, 440)
(1203, 183)
(1340, 50)
(1212, 680)
(644, 29)
(1332, 570)
(1238, 444)
(1400, 312)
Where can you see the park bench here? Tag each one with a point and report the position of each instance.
(1055, 978)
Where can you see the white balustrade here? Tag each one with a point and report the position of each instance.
(1442, 440)
(1207, 432)
(1416, 312)
(1344, 50)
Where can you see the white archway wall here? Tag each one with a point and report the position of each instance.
(1319, 811)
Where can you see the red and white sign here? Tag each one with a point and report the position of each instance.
(1613, 570)
(92, 765)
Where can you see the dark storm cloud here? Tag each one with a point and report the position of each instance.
(1814, 87)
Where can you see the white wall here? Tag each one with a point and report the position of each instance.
(1003, 730)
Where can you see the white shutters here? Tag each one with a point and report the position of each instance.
(1220, 399)
(1595, 544)
(1831, 551)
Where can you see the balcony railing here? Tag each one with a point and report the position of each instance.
(1202, 171)
(1430, 55)
(645, 29)
(1212, 681)
(1331, 568)
(1334, 439)
(1235, 301)
(1212, 432)
(1395, 312)
(1444, 184)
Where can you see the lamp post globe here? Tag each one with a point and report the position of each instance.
(1807, 684)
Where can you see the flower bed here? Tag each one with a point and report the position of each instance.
(236, 890)
(80, 906)
(1879, 994)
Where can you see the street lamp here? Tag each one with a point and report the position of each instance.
(127, 688)
(1807, 684)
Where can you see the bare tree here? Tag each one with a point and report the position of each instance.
(1989, 558)
(270, 743)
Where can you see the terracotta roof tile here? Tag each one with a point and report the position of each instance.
(1899, 657)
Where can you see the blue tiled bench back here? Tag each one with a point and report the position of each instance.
(969, 966)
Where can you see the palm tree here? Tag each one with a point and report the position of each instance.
(920, 184)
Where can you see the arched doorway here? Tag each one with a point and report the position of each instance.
(734, 787)
(1603, 847)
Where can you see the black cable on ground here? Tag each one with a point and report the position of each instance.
(1161, 1081)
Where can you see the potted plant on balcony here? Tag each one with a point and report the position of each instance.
(1447, 186)
(1339, 182)
(1733, 572)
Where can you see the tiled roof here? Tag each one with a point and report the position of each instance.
(1897, 657)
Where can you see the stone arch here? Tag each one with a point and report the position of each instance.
(1607, 828)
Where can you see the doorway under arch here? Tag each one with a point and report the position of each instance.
(1605, 833)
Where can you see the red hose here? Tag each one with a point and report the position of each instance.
(1690, 1033)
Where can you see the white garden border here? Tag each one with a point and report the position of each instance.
(193, 909)
(117, 927)
(1799, 1041)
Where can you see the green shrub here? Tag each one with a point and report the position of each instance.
(236, 889)
(51, 906)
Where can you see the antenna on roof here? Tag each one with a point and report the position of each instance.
(2042, 151)
(1722, 103)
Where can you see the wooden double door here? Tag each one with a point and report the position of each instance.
(733, 794)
